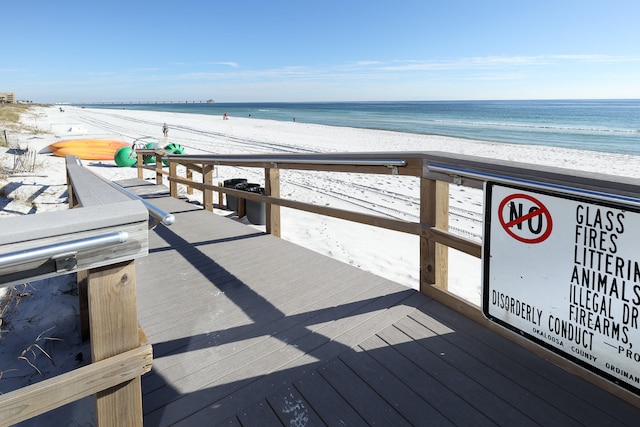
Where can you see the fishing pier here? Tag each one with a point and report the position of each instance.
(207, 101)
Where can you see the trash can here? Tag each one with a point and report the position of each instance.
(256, 211)
(236, 184)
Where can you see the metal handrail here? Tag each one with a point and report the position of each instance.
(296, 159)
(159, 215)
(63, 249)
(505, 179)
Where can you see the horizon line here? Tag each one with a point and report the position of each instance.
(212, 102)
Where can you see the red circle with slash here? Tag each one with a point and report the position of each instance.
(540, 209)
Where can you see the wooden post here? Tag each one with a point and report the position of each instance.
(434, 211)
(140, 164)
(114, 330)
(220, 197)
(173, 173)
(190, 178)
(241, 207)
(70, 196)
(159, 165)
(82, 279)
(207, 194)
(272, 188)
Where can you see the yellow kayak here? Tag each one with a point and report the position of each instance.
(88, 149)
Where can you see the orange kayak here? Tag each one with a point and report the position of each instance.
(88, 149)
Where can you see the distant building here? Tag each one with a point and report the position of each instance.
(7, 97)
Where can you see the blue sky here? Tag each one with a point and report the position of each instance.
(343, 50)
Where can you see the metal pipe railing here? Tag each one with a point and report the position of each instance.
(62, 249)
(504, 179)
(294, 159)
(159, 215)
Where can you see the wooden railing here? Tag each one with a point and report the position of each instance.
(435, 171)
(99, 240)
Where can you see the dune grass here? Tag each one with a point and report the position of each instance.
(10, 121)
(10, 113)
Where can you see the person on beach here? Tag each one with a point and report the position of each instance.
(224, 116)
(165, 129)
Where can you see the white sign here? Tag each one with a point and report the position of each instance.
(565, 272)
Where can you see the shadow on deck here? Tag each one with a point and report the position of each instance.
(249, 329)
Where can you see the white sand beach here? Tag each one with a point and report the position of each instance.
(46, 308)
(393, 255)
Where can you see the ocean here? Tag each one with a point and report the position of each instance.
(598, 125)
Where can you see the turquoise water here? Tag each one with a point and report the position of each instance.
(599, 125)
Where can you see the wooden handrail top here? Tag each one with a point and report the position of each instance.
(354, 158)
(389, 162)
(89, 189)
(61, 242)
(47, 237)
(72, 222)
(86, 185)
(471, 171)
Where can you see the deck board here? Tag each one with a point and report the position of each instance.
(365, 400)
(587, 403)
(431, 389)
(485, 371)
(258, 414)
(335, 411)
(249, 329)
(436, 379)
(396, 394)
(515, 371)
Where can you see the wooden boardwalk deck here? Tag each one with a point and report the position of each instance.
(249, 329)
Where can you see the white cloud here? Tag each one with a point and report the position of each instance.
(494, 61)
(365, 63)
(499, 77)
(598, 58)
(228, 63)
